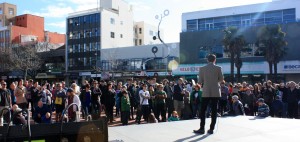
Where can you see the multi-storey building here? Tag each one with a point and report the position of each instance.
(108, 26)
(202, 33)
(144, 32)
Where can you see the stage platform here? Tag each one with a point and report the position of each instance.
(228, 129)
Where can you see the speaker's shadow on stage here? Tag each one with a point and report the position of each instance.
(201, 137)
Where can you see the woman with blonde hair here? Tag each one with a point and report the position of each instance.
(76, 89)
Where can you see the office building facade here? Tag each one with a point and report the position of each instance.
(202, 33)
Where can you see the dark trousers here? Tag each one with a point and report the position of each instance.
(124, 117)
(293, 110)
(170, 106)
(109, 112)
(214, 107)
(96, 107)
(161, 110)
(222, 106)
(146, 112)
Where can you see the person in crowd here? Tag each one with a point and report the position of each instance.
(293, 99)
(45, 95)
(224, 98)
(160, 103)
(5, 102)
(152, 118)
(75, 88)
(169, 100)
(35, 95)
(12, 93)
(73, 111)
(20, 95)
(28, 85)
(196, 97)
(174, 117)
(109, 102)
(152, 102)
(63, 83)
(40, 112)
(60, 99)
(85, 98)
(263, 108)
(284, 88)
(131, 90)
(249, 101)
(96, 95)
(17, 116)
(118, 98)
(144, 97)
(178, 96)
(277, 107)
(125, 107)
(237, 107)
(187, 110)
(269, 94)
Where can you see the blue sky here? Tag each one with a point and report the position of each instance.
(56, 11)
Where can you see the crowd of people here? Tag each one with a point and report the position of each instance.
(150, 101)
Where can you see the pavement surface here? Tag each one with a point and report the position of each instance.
(228, 129)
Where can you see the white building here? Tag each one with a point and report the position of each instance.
(144, 33)
(245, 15)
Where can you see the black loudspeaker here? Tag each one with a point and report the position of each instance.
(91, 131)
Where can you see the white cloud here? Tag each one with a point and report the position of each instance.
(53, 11)
(61, 24)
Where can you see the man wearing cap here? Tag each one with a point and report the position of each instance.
(210, 77)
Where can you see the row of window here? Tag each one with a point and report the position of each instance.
(87, 19)
(94, 32)
(81, 48)
(243, 20)
(10, 11)
(140, 31)
(82, 62)
(5, 34)
(4, 44)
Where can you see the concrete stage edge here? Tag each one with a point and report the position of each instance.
(228, 129)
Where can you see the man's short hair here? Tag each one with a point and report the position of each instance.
(211, 58)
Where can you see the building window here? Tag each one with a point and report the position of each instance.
(136, 42)
(11, 11)
(121, 35)
(191, 25)
(112, 34)
(1, 12)
(112, 21)
(140, 41)
(140, 30)
(1, 23)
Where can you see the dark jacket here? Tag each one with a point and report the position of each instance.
(5, 98)
(237, 109)
(277, 106)
(293, 96)
(177, 93)
(109, 98)
(284, 91)
(196, 100)
(269, 95)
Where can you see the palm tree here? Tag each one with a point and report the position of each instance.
(271, 44)
(233, 45)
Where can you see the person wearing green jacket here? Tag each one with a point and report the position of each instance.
(125, 108)
(196, 96)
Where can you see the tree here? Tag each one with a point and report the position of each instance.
(271, 44)
(234, 44)
(24, 58)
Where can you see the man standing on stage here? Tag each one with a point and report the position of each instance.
(210, 77)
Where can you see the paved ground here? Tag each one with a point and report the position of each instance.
(230, 129)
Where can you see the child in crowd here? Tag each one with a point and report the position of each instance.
(263, 108)
(174, 117)
(125, 108)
